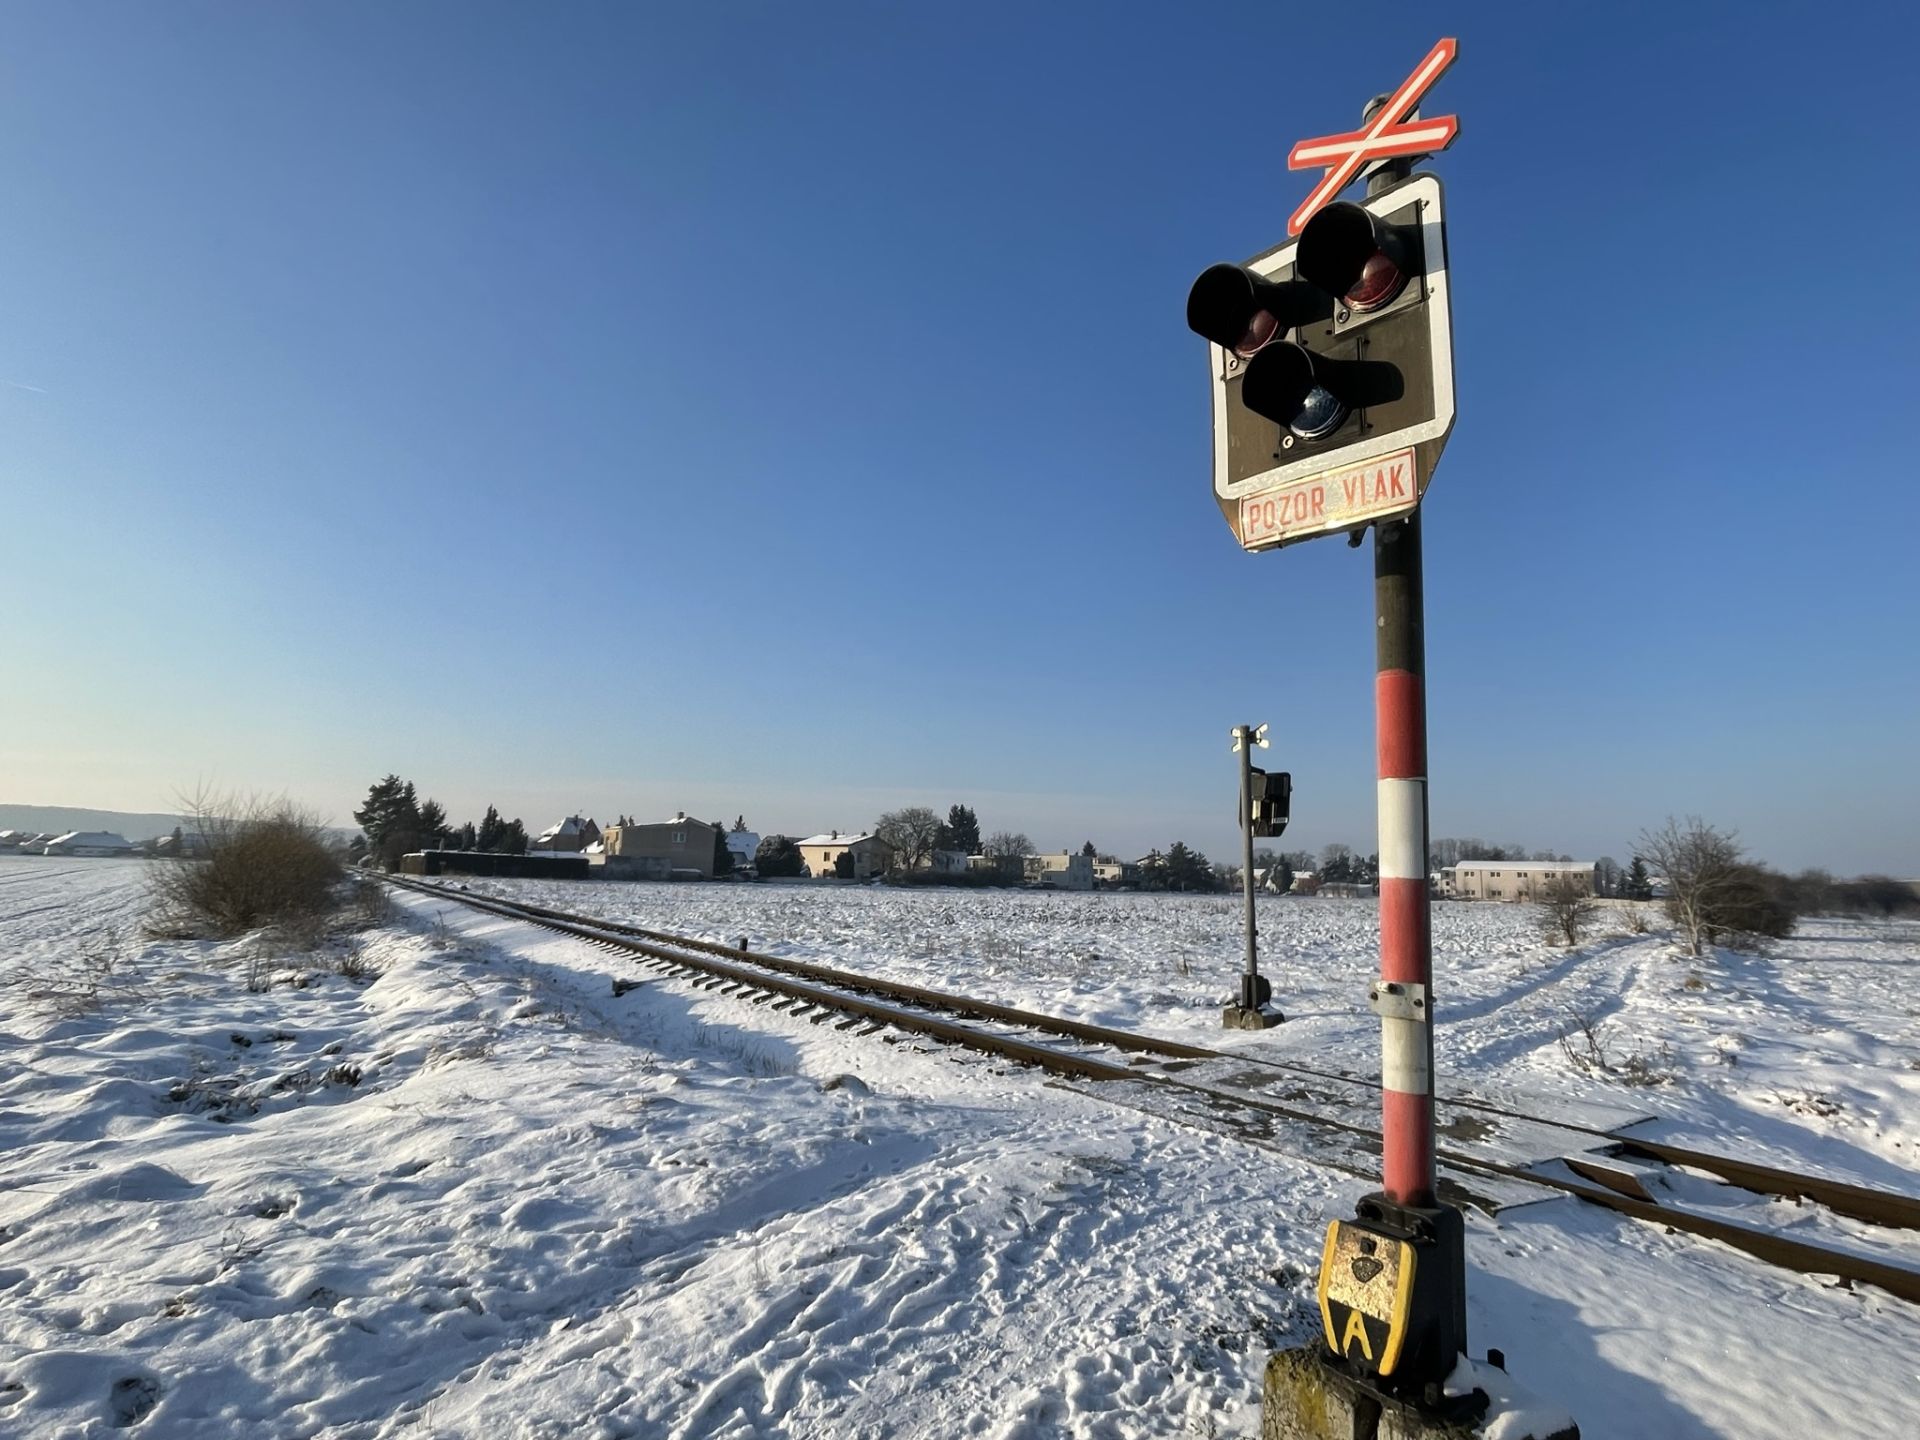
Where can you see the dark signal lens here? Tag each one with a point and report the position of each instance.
(1260, 332)
(1321, 413)
(1283, 385)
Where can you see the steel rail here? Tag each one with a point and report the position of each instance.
(1127, 1040)
(1888, 1208)
(1860, 1202)
(805, 981)
(1047, 1057)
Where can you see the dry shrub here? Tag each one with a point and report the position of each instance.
(373, 907)
(1566, 909)
(267, 862)
(1587, 1044)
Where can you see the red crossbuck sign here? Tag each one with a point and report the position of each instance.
(1387, 134)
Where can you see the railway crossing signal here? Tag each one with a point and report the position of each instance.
(1331, 363)
(1330, 360)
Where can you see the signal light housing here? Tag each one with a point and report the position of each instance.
(1272, 802)
(1313, 394)
(1227, 301)
(1348, 251)
(1331, 353)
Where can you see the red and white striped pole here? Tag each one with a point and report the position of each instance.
(1404, 996)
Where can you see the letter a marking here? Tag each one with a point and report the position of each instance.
(1356, 1329)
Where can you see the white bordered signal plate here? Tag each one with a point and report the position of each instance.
(1245, 474)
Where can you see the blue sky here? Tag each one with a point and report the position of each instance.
(788, 410)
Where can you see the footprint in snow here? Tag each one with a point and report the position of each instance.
(131, 1398)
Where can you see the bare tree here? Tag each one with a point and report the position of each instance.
(910, 833)
(1008, 845)
(1566, 905)
(1702, 867)
(1606, 875)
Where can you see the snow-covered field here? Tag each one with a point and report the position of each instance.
(462, 1189)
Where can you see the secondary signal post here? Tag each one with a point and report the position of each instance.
(1263, 811)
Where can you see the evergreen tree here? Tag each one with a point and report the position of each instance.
(513, 838)
(433, 823)
(1088, 850)
(965, 826)
(1638, 884)
(1282, 875)
(1188, 870)
(487, 837)
(388, 803)
(722, 852)
(1153, 871)
(391, 820)
(777, 856)
(740, 824)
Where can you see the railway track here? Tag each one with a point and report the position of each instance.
(1491, 1156)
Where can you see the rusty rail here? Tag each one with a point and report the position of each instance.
(808, 982)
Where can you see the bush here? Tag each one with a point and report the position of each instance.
(1713, 891)
(1876, 895)
(271, 865)
(1755, 901)
(778, 857)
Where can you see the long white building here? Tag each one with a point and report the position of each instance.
(1511, 879)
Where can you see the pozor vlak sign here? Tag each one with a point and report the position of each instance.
(1331, 361)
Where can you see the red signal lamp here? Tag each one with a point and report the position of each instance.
(1244, 312)
(1348, 251)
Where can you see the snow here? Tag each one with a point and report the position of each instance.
(472, 1192)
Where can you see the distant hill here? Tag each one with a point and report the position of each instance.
(61, 818)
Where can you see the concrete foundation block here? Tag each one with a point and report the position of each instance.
(1239, 1017)
(1305, 1397)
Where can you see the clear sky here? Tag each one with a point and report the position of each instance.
(787, 410)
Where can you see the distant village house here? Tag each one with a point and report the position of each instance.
(1068, 870)
(572, 836)
(681, 848)
(869, 855)
(97, 843)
